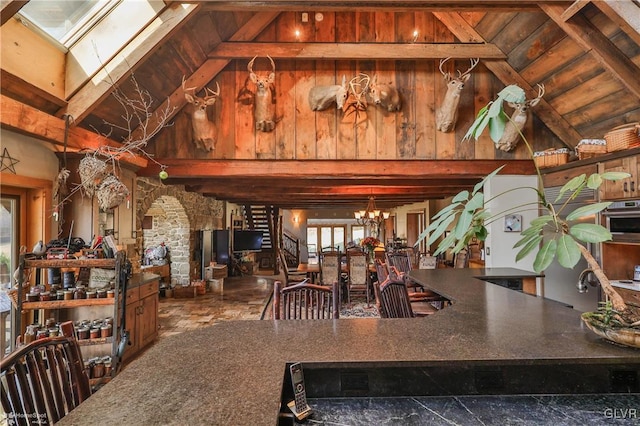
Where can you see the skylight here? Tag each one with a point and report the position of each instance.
(65, 21)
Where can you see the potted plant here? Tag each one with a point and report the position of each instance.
(552, 234)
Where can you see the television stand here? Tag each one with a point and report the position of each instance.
(243, 264)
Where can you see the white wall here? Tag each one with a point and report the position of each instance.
(499, 244)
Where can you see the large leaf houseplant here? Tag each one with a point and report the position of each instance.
(552, 234)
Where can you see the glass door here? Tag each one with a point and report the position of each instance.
(9, 221)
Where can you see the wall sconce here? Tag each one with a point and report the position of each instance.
(295, 219)
(416, 33)
(297, 34)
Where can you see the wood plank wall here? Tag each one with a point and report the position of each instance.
(302, 134)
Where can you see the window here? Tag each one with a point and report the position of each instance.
(9, 216)
(65, 21)
(357, 233)
(327, 237)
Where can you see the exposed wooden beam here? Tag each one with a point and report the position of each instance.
(624, 13)
(368, 5)
(336, 169)
(508, 75)
(10, 8)
(582, 31)
(575, 7)
(123, 64)
(207, 71)
(30, 121)
(358, 50)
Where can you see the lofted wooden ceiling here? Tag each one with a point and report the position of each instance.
(586, 53)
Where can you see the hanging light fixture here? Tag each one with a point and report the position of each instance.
(372, 216)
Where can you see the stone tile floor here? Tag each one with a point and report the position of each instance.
(238, 298)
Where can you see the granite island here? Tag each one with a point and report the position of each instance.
(233, 373)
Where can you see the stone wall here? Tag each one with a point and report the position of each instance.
(178, 215)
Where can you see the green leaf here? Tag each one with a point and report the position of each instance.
(526, 238)
(614, 175)
(541, 220)
(533, 229)
(461, 196)
(442, 227)
(445, 244)
(445, 210)
(486, 178)
(594, 181)
(464, 222)
(495, 109)
(568, 251)
(545, 256)
(587, 210)
(496, 127)
(590, 232)
(481, 233)
(513, 93)
(476, 202)
(534, 243)
(572, 185)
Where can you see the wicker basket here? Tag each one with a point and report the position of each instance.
(551, 157)
(589, 148)
(623, 137)
(13, 293)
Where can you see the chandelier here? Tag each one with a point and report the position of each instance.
(372, 216)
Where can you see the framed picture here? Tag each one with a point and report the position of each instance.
(513, 223)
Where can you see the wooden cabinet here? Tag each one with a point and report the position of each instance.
(141, 316)
(77, 310)
(625, 188)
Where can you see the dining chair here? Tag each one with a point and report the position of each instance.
(44, 380)
(305, 301)
(291, 275)
(392, 299)
(330, 267)
(358, 281)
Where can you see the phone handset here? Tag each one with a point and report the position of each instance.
(299, 405)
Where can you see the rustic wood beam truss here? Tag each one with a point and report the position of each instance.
(337, 51)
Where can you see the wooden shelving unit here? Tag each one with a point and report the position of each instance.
(72, 309)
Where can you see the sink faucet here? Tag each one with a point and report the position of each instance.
(583, 280)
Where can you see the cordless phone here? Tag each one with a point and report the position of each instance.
(299, 405)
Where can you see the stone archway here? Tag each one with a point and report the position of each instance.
(170, 225)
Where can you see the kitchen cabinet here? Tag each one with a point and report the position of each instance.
(625, 188)
(100, 274)
(141, 313)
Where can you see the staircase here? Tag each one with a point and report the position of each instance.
(257, 218)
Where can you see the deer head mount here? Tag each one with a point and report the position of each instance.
(204, 130)
(356, 105)
(322, 97)
(513, 127)
(384, 95)
(264, 111)
(447, 114)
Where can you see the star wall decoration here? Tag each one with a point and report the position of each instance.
(8, 163)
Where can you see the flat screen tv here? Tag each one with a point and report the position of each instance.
(247, 240)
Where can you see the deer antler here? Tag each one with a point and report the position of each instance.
(211, 92)
(474, 62)
(273, 65)
(446, 75)
(250, 65)
(540, 91)
(186, 88)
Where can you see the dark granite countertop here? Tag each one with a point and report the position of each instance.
(232, 373)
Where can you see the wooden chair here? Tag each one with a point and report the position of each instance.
(305, 301)
(44, 380)
(392, 297)
(291, 275)
(330, 268)
(358, 275)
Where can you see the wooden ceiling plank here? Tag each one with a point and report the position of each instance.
(30, 121)
(508, 75)
(575, 8)
(211, 67)
(123, 64)
(626, 14)
(599, 46)
(10, 8)
(369, 51)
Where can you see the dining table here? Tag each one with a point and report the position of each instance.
(313, 269)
